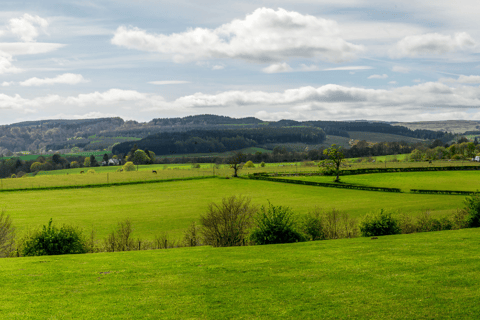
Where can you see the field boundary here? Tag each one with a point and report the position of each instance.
(454, 192)
(102, 185)
(328, 185)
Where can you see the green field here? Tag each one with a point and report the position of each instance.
(431, 275)
(172, 206)
(436, 180)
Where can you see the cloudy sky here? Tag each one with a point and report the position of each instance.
(302, 59)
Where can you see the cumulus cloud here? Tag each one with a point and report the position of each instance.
(462, 79)
(378, 76)
(218, 67)
(266, 35)
(27, 27)
(66, 78)
(400, 69)
(168, 82)
(432, 43)
(278, 68)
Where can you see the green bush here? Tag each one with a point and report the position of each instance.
(275, 224)
(379, 224)
(129, 166)
(262, 164)
(473, 209)
(249, 164)
(53, 241)
(313, 225)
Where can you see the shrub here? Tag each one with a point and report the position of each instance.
(7, 235)
(379, 224)
(91, 171)
(129, 166)
(459, 219)
(406, 223)
(313, 225)
(276, 224)
(191, 235)
(249, 164)
(73, 164)
(228, 223)
(337, 224)
(473, 209)
(195, 166)
(13, 176)
(52, 241)
(262, 164)
(120, 239)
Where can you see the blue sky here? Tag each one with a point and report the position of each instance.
(304, 60)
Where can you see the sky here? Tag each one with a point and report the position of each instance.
(303, 60)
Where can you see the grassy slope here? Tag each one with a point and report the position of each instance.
(421, 276)
(172, 206)
(439, 180)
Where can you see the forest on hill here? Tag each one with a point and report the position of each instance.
(102, 134)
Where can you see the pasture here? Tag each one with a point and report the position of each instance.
(430, 180)
(172, 206)
(431, 275)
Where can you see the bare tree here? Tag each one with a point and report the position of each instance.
(228, 223)
(7, 235)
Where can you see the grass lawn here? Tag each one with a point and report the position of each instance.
(173, 206)
(430, 180)
(420, 276)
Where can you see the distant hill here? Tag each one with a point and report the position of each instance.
(103, 133)
(453, 126)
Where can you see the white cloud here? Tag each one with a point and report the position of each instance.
(392, 82)
(304, 67)
(264, 36)
(27, 27)
(378, 76)
(168, 82)
(417, 80)
(278, 68)
(6, 65)
(432, 43)
(349, 68)
(20, 48)
(462, 79)
(218, 67)
(66, 78)
(400, 69)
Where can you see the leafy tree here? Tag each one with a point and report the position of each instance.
(275, 224)
(52, 241)
(334, 160)
(36, 166)
(105, 158)
(139, 157)
(93, 161)
(228, 223)
(86, 162)
(74, 164)
(235, 162)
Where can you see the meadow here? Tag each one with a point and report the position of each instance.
(436, 180)
(172, 206)
(431, 275)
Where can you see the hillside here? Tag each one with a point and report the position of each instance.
(454, 126)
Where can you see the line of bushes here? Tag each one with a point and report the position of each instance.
(424, 191)
(236, 222)
(326, 184)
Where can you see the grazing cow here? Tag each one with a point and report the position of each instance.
(154, 171)
(82, 171)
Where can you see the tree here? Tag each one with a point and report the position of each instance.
(93, 161)
(129, 166)
(139, 157)
(334, 160)
(228, 223)
(105, 158)
(235, 162)
(86, 162)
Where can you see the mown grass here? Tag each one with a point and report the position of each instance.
(420, 276)
(430, 180)
(172, 206)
